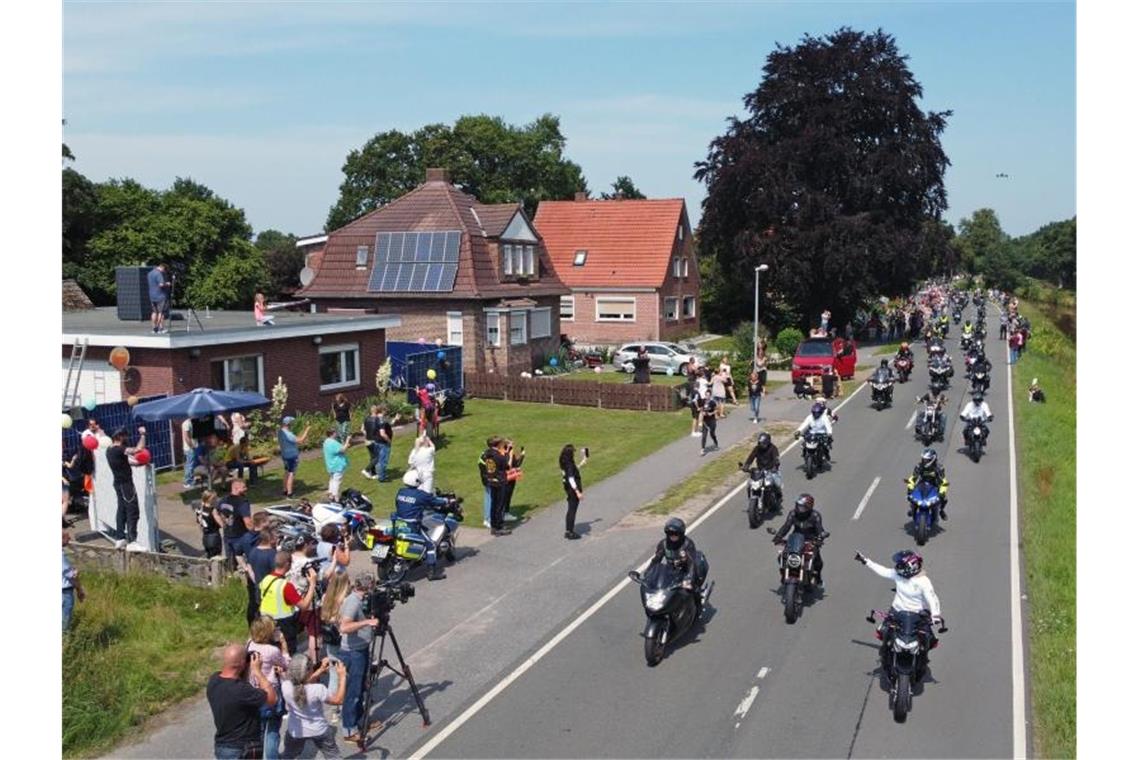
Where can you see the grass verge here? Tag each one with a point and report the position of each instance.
(138, 644)
(609, 375)
(1047, 482)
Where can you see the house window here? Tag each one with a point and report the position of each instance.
(242, 373)
(340, 366)
(680, 232)
(689, 307)
(455, 328)
(566, 311)
(518, 260)
(615, 310)
(580, 258)
(361, 255)
(671, 308)
(685, 267)
(676, 267)
(518, 328)
(540, 323)
(508, 261)
(493, 328)
(528, 261)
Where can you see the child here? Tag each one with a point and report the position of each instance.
(1035, 393)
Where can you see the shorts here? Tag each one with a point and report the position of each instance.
(696, 410)
(290, 463)
(160, 306)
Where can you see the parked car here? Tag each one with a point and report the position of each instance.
(662, 357)
(813, 354)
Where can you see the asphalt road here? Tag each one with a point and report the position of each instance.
(750, 685)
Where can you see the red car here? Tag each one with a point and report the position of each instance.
(814, 354)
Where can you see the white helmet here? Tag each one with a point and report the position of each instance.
(412, 478)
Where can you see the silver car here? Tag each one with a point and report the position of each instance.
(662, 357)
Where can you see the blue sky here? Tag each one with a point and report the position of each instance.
(262, 101)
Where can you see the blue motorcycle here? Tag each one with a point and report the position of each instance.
(925, 500)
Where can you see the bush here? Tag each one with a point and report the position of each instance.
(742, 340)
(787, 340)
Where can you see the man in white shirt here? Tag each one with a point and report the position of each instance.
(977, 411)
(189, 453)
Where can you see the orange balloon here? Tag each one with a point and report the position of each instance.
(132, 400)
(120, 358)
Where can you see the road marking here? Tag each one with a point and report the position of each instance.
(913, 417)
(867, 497)
(1018, 658)
(745, 705)
(558, 638)
(763, 672)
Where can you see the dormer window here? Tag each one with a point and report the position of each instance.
(361, 255)
(580, 258)
(518, 260)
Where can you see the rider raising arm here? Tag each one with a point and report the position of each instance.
(913, 592)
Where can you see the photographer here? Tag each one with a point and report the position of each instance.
(304, 559)
(305, 698)
(281, 601)
(356, 633)
(269, 644)
(236, 704)
(333, 551)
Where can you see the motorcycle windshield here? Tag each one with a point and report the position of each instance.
(908, 623)
(795, 543)
(924, 493)
(661, 576)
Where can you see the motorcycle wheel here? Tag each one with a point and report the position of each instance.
(975, 451)
(791, 611)
(654, 642)
(809, 467)
(396, 571)
(449, 552)
(902, 697)
(753, 513)
(921, 531)
(359, 533)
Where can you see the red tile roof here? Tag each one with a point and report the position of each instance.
(629, 242)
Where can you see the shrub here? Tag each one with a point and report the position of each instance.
(742, 339)
(788, 339)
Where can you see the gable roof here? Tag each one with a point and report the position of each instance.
(436, 205)
(630, 242)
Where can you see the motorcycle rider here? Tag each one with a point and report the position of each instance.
(411, 506)
(767, 457)
(929, 470)
(913, 590)
(818, 422)
(977, 412)
(681, 553)
(968, 331)
(904, 352)
(939, 401)
(806, 520)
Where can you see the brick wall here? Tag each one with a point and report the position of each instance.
(585, 329)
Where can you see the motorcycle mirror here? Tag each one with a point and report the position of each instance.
(871, 618)
(943, 629)
(771, 531)
(635, 576)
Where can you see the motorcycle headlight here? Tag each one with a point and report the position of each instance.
(977, 431)
(655, 600)
(794, 561)
(908, 645)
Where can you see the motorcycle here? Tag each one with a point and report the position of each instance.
(926, 425)
(904, 653)
(670, 608)
(939, 377)
(410, 547)
(796, 576)
(966, 341)
(903, 366)
(882, 393)
(957, 316)
(925, 501)
(979, 380)
(814, 449)
(351, 515)
(975, 438)
(762, 496)
(449, 401)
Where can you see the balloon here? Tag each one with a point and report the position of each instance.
(142, 456)
(132, 400)
(90, 404)
(431, 374)
(120, 357)
(440, 354)
(90, 442)
(67, 421)
(553, 361)
(421, 341)
(669, 371)
(430, 387)
(597, 370)
(439, 341)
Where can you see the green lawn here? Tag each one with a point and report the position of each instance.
(608, 375)
(616, 439)
(138, 644)
(723, 343)
(1047, 482)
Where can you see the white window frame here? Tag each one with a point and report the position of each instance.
(455, 328)
(685, 301)
(676, 309)
(680, 231)
(508, 260)
(615, 300)
(580, 257)
(562, 304)
(520, 265)
(535, 332)
(337, 349)
(685, 268)
(260, 370)
(493, 320)
(528, 261)
(521, 315)
(361, 256)
(677, 267)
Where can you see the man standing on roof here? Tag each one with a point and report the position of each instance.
(159, 291)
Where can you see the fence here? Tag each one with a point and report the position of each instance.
(113, 416)
(652, 398)
(196, 571)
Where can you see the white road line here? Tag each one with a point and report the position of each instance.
(763, 672)
(1018, 658)
(557, 639)
(745, 705)
(867, 497)
(913, 417)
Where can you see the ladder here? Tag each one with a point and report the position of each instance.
(74, 370)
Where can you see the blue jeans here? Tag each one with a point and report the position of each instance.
(382, 454)
(356, 666)
(754, 401)
(271, 736)
(487, 499)
(1013, 356)
(191, 462)
(68, 606)
(332, 651)
(228, 751)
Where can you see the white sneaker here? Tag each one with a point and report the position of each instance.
(120, 543)
(510, 518)
(486, 524)
(134, 546)
(365, 474)
(695, 435)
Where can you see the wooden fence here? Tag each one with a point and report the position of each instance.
(554, 390)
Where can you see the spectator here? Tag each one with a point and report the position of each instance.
(1016, 341)
(422, 459)
(233, 516)
(339, 587)
(290, 445)
(120, 458)
(755, 394)
(1035, 393)
(384, 450)
(261, 315)
(718, 393)
(72, 588)
(260, 559)
(428, 410)
(341, 411)
(336, 460)
(211, 531)
(1003, 326)
(708, 419)
(515, 457)
(305, 698)
(281, 601)
(308, 620)
(371, 431)
(269, 643)
(497, 474)
(694, 401)
(486, 465)
(189, 453)
(333, 552)
(825, 321)
(729, 386)
(355, 642)
(159, 290)
(572, 484)
(236, 704)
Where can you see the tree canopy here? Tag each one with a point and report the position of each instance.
(623, 188)
(1048, 254)
(834, 179)
(283, 259)
(494, 161)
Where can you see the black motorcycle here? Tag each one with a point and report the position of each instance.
(670, 608)
(797, 579)
(763, 497)
(926, 426)
(957, 316)
(904, 654)
(814, 447)
(940, 376)
(975, 436)
(882, 393)
(979, 380)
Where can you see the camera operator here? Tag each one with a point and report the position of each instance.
(333, 551)
(356, 633)
(236, 704)
(281, 600)
(305, 558)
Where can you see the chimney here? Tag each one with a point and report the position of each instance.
(580, 195)
(438, 175)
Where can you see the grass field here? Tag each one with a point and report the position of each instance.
(608, 375)
(138, 644)
(1047, 482)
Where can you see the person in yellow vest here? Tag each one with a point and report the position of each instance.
(281, 601)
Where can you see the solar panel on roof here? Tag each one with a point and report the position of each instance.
(415, 262)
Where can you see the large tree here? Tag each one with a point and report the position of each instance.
(488, 158)
(1050, 253)
(833, 179)
(283, 260)
(623, 189)
(988, 250)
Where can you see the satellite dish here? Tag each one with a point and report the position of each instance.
(307, 276)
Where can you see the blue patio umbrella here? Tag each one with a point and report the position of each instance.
(200, 402)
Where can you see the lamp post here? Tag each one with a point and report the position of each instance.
(756, 314)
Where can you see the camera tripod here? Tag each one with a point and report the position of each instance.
(189, 309)
(376, 663)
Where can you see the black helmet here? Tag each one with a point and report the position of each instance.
(907, 563)
(817, 409)
(883, 363)
(763, 439)
(675, 529)
(929, 458)
(979, 397)
(805, 503)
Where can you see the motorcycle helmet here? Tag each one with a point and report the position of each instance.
(907, 563)
(763, 439)
(929, 459)
(805, 503)
(883, 363)
(816, 410)
(675, 530)
(904, 346)
(412, 478)
(979, 397)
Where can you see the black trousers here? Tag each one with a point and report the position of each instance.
(498, 504)
(253, 600)
(508, 494)
(127, 514)
(709, 429)
(571, 510)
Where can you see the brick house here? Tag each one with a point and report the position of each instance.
(631, 267)
(474, 275)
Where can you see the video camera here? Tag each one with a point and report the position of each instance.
(382, 599)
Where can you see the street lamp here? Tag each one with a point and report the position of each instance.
(756, 314)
